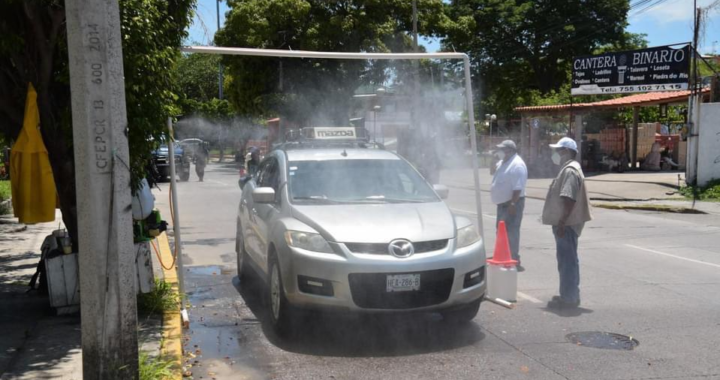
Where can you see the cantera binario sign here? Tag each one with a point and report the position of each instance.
(661, 68)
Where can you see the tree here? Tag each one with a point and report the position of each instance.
(33, 49)
(197, 76)
(521, 45)
(312, 89)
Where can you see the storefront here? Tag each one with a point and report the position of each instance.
(611, 133)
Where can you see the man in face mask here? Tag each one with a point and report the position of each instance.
(567, 208)
(508, 193)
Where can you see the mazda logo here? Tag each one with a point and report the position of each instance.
(401, 248)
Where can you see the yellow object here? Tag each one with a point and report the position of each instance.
(34, 195)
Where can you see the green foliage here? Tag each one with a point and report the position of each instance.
(214, 109)
(156, 368)
(302, 90)
(4, 190)
(162, 298)
(153, 30)
(197, 76)
(709, 192)
(5, 194)
(521, 46)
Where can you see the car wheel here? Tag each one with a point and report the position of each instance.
(464, 314)
(280, 310)
(241, 253)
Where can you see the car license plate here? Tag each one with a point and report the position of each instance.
(402, 282)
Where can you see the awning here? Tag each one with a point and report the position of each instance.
(636, 100)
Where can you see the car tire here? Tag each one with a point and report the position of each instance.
(463, 314)
(242, 257)
(281, 312)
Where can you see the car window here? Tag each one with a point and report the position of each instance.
(269, 174)
(260, 172)
(407, 183)
(357, 181)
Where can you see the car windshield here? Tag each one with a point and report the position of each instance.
(357, 181)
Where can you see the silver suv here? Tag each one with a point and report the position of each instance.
(340, 224)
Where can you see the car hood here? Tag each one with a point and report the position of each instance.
(379, 223)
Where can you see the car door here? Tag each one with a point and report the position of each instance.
(265, 213)
(248, 217)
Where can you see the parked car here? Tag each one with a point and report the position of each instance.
(338, 224)
(192, 146)
(161, 161)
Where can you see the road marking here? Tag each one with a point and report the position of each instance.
(528, 297)
(673, 256)
(471, 213)
(218, 182)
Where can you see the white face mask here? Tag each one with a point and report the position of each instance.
(556, 158)
(501, 155)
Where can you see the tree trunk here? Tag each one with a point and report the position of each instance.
(60, 154)
(63, 166)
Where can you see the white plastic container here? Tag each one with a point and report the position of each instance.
(143, 202)
(502, 282)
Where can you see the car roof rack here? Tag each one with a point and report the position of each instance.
(328, 137)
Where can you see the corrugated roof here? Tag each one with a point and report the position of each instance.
(647, 99)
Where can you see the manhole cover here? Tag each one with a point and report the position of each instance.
(604, 340)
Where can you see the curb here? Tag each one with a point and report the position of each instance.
(172, 323)
(657, 208)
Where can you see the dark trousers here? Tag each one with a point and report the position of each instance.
(568, 264)
(512, 223)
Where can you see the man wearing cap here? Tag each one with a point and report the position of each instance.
(567, 208)
(508, 193)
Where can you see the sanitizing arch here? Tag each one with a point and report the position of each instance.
(372, 56)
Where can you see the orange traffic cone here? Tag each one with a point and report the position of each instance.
(501, 255)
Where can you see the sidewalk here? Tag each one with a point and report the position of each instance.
(629, 189)
(26, 326)
(35, 344)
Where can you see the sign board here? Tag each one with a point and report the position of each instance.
(661, 68)
(330, 133)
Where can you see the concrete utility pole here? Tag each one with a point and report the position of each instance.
(102, 176)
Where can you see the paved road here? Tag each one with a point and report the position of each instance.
(655, 277)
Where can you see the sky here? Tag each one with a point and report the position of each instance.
(668, 23)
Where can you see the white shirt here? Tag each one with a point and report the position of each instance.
(511, 175)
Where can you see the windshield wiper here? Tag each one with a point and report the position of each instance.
(383, 199)
(315, 198)
(402, 200)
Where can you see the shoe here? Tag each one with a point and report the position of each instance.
(558, 303)
(520, 268)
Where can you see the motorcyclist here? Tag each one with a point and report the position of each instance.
(254, 163)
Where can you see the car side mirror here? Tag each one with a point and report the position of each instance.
(441, 190)
(263, 195)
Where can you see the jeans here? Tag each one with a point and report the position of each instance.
(512, 223)
(568, 264)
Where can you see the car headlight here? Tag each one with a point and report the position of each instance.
(467, 236)
(307, 241)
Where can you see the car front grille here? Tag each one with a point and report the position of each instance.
(369, 290)
(382, 248)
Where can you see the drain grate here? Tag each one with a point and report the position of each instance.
(604, 340)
